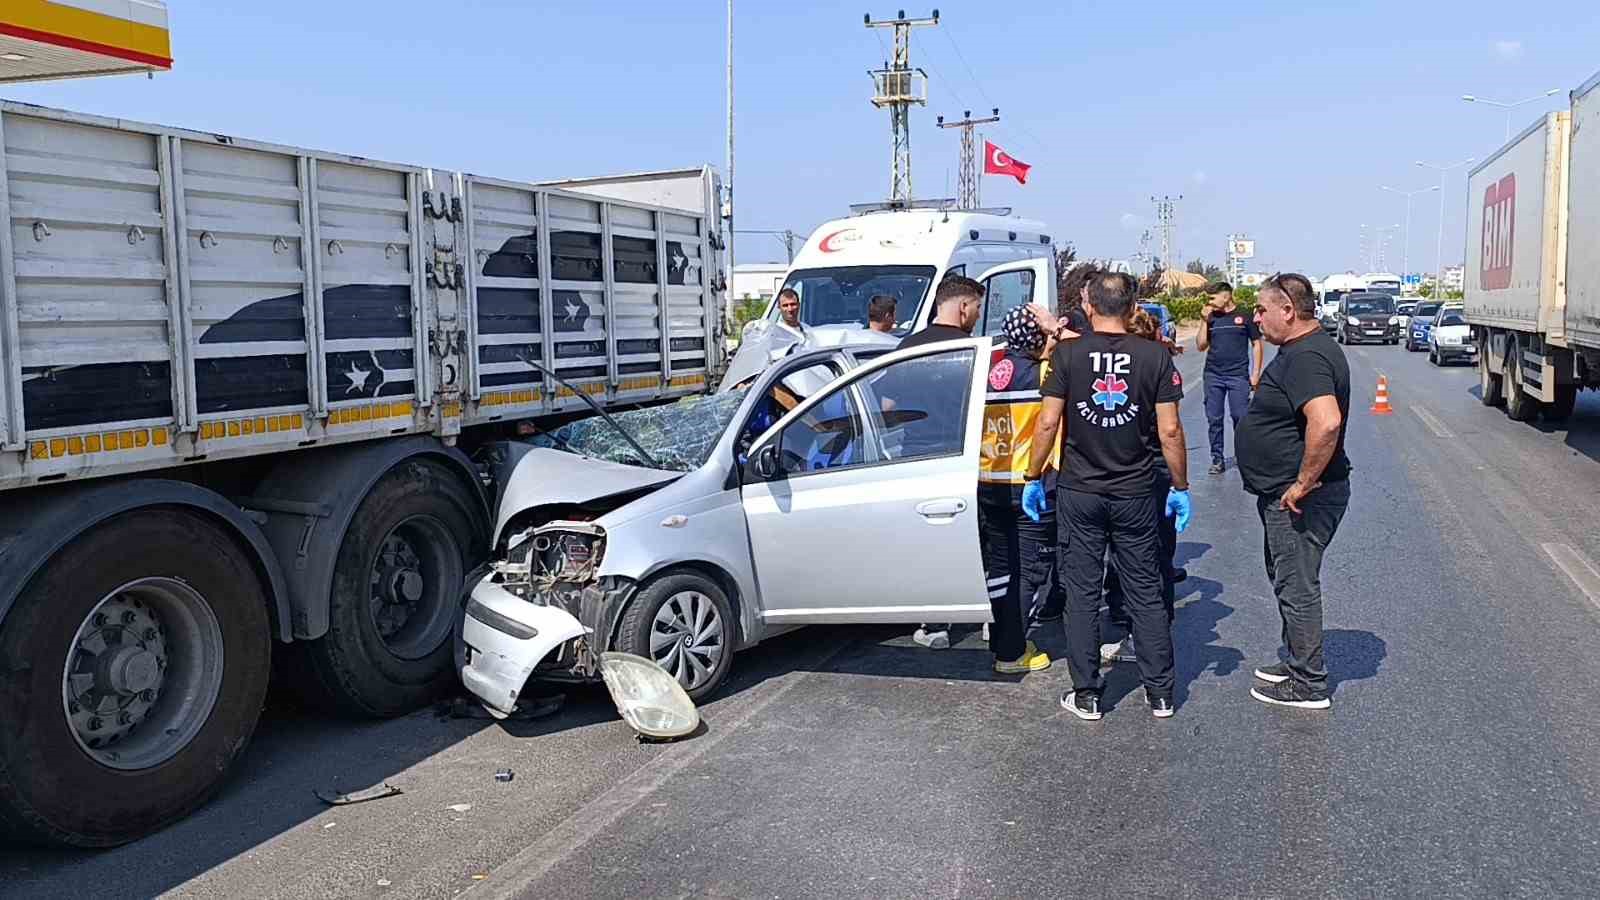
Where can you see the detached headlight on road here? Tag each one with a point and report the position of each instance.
(650, 700)
(1352, 320)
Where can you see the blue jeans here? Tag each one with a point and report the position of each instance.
(1234, 390)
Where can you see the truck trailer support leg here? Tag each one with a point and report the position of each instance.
(134, 656)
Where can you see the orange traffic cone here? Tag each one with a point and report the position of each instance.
(1380, 406)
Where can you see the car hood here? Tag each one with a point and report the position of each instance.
(766, 342)
(543, 477)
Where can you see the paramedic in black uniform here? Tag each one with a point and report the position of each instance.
(1111, 390)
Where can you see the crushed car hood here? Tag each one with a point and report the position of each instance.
(766, 343)
(543, 477)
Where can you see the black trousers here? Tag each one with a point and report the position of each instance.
(1018, 556)
(1293, 546)
(1167, 527)
(1089, 523)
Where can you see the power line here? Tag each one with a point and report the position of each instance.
(985, 94)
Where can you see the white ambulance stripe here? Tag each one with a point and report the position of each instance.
(1009, 396)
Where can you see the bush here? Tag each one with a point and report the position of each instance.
(746, 310)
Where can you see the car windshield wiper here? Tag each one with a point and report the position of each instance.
(643, 453)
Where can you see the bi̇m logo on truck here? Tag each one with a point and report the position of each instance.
(1499, 226)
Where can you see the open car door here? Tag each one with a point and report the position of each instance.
(1013, 284)
(862, 501)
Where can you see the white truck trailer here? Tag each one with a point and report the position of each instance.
(1533, 307)
(241, 387)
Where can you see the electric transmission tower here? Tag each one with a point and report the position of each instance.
(967, 192)
(1143, 256)
(1166, 211)
(898, 86)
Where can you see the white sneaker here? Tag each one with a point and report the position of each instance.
(933, 640)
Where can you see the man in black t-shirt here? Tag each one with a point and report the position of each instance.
(1291, 456)
(956, 304)
(1112, 392)
(1231, 342)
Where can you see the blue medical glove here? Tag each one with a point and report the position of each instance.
(1035, 502)
(1178, 505)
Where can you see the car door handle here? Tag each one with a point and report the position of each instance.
(941, 510)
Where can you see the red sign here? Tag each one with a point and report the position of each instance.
(1000, 375)
(1499, 228)
(842, 236)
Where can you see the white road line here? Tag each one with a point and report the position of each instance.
(1432, 421)
(513, 877)
(1578, 568)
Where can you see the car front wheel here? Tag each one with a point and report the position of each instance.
(684, 622)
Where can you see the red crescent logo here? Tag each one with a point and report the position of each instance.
(999, 157)
(1000, 375)
(844, 234)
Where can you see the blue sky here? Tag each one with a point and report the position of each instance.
(1281, 124)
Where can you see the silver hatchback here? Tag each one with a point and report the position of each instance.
(826, 489)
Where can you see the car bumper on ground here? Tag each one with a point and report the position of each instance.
(501, 638)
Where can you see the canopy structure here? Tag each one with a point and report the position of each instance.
(1173, 280)
(42, 39)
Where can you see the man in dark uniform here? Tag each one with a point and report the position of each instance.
(1291, 456)
(1231, 342)
(1115, 390)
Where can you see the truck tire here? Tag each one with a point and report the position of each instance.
(133, 669)
(1490, 385)
(1519, 406)
(1566, 400)
(685, 623)
(397, 590)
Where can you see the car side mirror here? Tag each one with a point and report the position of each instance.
(763, 466)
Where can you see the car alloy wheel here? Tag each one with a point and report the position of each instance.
(686, 638)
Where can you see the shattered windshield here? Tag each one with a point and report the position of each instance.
(679, 435)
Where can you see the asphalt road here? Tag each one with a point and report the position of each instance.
(1460, 758)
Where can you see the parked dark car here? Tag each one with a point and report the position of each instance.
(1367, 318)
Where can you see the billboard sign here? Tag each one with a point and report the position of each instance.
(1242, 249)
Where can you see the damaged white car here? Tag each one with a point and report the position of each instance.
(825, 489)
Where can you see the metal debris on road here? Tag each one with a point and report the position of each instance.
(504, 775)
(376, 792)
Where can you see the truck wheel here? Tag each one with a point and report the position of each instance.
(1519, 406)
(685, 623)
(1566, 400)
(397, 589)
(134, 668)
(1489, 384)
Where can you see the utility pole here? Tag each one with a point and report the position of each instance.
(967, 188)
(897, 86)
(788, 237)
(1166, 211)
(729, 299)
(1144, 252)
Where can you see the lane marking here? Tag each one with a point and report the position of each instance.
(1432, 421)
(1578, 568)
(513, 877)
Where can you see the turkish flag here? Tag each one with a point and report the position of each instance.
(999, 162)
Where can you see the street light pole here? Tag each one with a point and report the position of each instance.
(1438, 261)
(1508, 107)
(1405, 251)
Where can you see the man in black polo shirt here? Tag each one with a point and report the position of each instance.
(1231, 341)
(1112, 391)
(1291, 456)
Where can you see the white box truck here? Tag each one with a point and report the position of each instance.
(242, 387)
(1534, 307)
